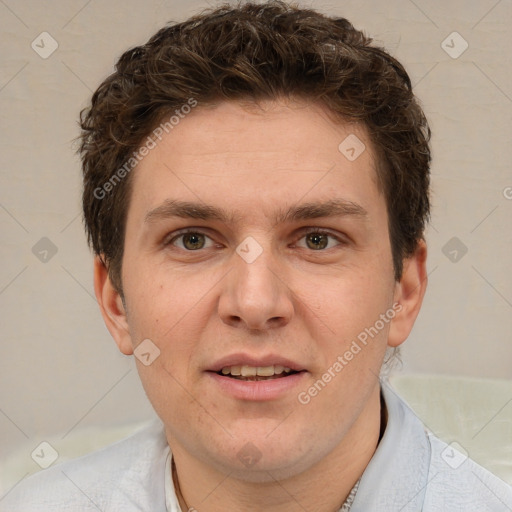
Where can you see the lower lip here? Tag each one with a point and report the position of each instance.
(257, 390)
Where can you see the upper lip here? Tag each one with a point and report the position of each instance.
(250, 360)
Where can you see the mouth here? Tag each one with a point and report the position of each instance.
(261, 378)
(256, 373)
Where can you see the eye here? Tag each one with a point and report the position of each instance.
(319, 240)
(190, 241)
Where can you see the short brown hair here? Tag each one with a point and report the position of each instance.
(255, 52)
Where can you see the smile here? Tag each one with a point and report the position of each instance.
(256, 373)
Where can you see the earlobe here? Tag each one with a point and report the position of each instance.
(112, 307)
(409, 293)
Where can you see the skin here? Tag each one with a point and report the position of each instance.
(295, 300)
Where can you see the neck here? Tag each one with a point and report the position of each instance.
(324, 487)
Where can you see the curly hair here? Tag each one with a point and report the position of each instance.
(254, 52)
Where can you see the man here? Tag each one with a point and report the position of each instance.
(255, 191)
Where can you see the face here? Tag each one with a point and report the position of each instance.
(254, 245)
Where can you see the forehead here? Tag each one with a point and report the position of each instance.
(254, 159)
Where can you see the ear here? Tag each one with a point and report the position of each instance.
(112, 308)
(409, 293)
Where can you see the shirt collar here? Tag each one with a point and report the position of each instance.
(397, 475)
(171, 500)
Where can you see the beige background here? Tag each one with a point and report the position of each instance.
(60, 370)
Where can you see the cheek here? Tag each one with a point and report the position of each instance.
(354, 345)
(352, 298)
(162, 300)
(166, 389)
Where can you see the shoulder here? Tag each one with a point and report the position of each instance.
(456, 482)
(413, 469)
(118, 477)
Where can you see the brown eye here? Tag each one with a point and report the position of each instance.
(320, 240)
(193, 241)
(189, 241)
(317, 241)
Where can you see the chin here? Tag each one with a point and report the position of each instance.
(265, 458)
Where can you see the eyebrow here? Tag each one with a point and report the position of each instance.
(191, 210)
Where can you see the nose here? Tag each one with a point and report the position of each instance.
(255, 296)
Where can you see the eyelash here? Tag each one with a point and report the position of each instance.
(308, 231)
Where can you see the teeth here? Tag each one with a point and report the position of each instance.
(252, 371)
(248, 371)
(265, 371)
(235, 370)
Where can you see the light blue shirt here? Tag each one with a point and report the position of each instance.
(411, 470)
